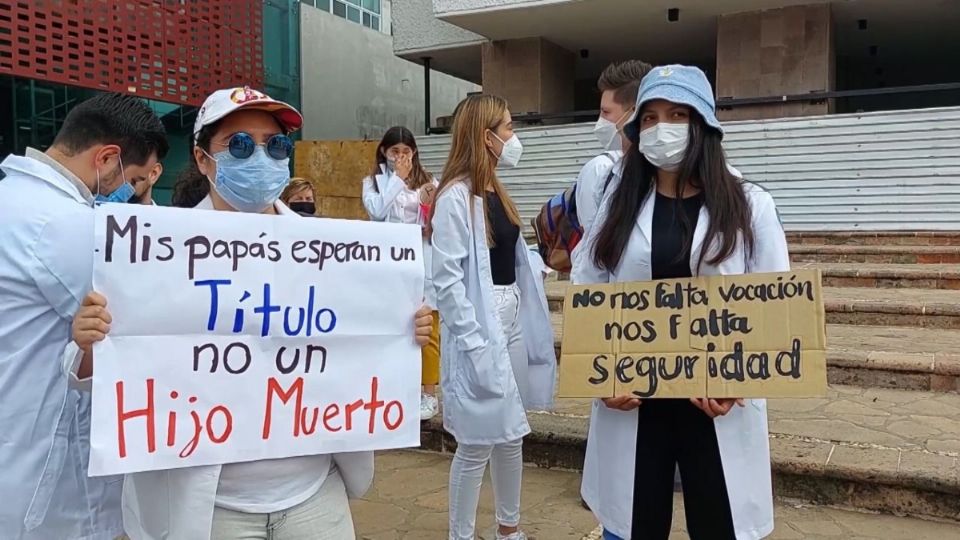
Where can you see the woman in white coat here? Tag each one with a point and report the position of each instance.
(401, 191)
(674, 211)
(498, 356)
(242, 150)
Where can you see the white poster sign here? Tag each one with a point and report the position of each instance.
(239, 337)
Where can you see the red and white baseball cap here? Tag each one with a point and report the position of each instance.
(223, 102)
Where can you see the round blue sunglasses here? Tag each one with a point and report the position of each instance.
(241, 146)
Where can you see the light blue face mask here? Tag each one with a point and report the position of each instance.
(251, 184)
(120, 195)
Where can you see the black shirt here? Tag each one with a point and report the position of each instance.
(670, 256)
(503, 255)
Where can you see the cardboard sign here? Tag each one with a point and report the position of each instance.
(239, 337)
(750, 336)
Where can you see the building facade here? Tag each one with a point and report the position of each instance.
(767, 58)
(331, 58)
(353, 86)
(172, 54)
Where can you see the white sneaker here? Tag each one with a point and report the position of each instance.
(429, 407)
(519, 535)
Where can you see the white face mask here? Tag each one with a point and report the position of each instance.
(608, 133)
(664, 144)
(511, 152)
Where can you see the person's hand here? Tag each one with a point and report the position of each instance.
(622, 403)
(92, 322)
(716, 407)
(423, 320)
(403, 166)
(427, 191)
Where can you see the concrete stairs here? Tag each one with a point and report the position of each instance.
(887, 436)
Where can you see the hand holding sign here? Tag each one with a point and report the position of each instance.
(92, 322)
(622, 403)
(716, 407)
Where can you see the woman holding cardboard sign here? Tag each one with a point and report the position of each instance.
(498, 356)
(676, 211)
(241, 157)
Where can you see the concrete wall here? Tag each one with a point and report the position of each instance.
(416, 28)
(776, 52)
(353, 87)
(445, 7)
(533, 74)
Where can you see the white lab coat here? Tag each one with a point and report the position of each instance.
(46, 268)
(178, 504)
(387, 205)
(608, 471)
(481, 401)
(592, 184)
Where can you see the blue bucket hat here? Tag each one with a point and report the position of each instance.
(685, 85)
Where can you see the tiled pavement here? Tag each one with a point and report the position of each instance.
(409, 502)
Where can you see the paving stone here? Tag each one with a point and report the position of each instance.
(817, 527)
(560, 517)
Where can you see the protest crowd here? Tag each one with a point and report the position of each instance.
(660, 202)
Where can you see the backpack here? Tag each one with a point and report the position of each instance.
(558, 229)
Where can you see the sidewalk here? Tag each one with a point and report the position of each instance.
(409, 502)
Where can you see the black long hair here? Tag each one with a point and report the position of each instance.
(401, 135)
(192, 186)
(704, 166)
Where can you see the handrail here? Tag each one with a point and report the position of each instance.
(532, 118)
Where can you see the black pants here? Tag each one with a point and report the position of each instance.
(671, 433)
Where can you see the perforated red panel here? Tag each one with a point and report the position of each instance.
(171, 50)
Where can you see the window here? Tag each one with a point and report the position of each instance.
(353, 14)
(365, 12)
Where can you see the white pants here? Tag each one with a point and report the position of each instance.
(325, 516)
(506, 460)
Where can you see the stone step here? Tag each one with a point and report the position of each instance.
(892, 451)
(881, 238)
(879, 254)
(887, 276)
(881, 356)
(925, 308)
(878, 276)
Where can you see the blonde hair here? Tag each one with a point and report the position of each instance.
(297, 184)
(471, 160)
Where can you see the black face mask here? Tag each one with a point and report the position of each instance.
(303, 207)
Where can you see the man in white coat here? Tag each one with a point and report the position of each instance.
(106, 149)
(618, 85)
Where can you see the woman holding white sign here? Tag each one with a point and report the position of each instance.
(498, 356)
(241, 159)
(400, 190)
(676, 211)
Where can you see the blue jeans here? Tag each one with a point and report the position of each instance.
(607, 535)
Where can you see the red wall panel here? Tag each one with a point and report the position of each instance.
(171, 50)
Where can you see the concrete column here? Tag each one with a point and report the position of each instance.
(776, 52)
(533, 74)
